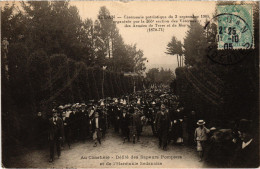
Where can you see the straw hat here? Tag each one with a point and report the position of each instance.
(139, 101)
(124, 102)
(201, 122)
(212, 129)
(61, 107)
(163, 106)
(102, 103)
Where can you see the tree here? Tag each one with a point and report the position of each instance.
(123, 57)
(109, 35)
(139, 62)
(108, 27)
(135, 59)
(225, 92)
(180, 52)
(195, 44)
(154, 76)
(55, 27)
(175, 48)
(55, 56)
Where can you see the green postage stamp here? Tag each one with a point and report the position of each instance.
(235, 27)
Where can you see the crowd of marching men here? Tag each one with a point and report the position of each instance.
(158, 109)
(126, 115)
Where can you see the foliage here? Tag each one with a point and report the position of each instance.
(216, 91)
(48, 40)
(175, 48)
(125, 58)
(154, 76)
(54, 56)
(195, 44)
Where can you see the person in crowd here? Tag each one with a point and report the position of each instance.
(85, 123)
(81, 125)
(116, 112)
(138, 124)
(40, 131)
(191, 126)
(103, 117)
(56, 134)
(109, 115)
(179, 127)
(172, 114)
(67, 128)
(151, 116)
(77, 121)
(124, 125)
(200, 136)
(60, 111)
(96, 128)
(163, 124)
(91, 114)
(247, 153)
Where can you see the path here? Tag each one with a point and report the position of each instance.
(112, 146)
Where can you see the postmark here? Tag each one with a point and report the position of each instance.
(234, 36)
(235, 27)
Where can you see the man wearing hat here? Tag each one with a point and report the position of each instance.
(178, 125)
(163, 124)
(60, 110)
(247, 153)
(40, 129)
(86, 121)
(124, 125)
(135, 125)
(82, 121)
(67, 127)
(191, 126)
(151, 113)
(103, 117)
(96, 127)
(201, 137)
(117, 112)
(55, 134)
(110, 114)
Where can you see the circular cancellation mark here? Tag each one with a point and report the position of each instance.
(233, 41)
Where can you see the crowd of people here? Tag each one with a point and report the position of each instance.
(127, 115)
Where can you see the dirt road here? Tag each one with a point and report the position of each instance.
(111, 153)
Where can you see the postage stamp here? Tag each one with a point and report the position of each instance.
(235, 27)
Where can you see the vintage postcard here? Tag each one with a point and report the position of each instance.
(129, 84)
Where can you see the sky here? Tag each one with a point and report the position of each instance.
(153, 44)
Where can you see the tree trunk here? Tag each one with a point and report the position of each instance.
(182, 60)
(178, 60)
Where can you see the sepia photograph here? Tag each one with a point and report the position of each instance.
(129, 84)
